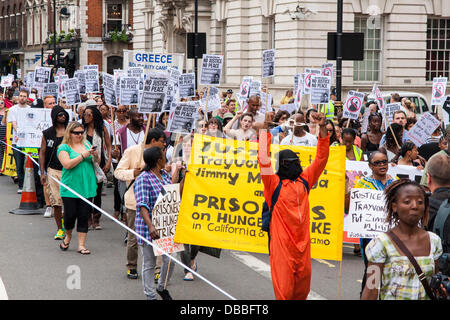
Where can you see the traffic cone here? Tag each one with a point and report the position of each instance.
(28, 202)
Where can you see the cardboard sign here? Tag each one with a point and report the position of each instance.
(423, 129)
(211, 69)
(186, 85)
(366, 214)
(154, 93)
(182, 117)
(164, 218)
(320, 89)
(438, 92)
(353, 104)
(268, 63)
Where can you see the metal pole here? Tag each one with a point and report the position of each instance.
(339, 51)
(54, 34)
(196, 42)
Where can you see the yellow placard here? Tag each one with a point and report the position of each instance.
(223, 195)
(8, 164)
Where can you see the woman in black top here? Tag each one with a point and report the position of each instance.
(97, 135)
(370, 141)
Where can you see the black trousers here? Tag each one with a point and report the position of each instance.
(76, 210)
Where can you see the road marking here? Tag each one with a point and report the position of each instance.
(3, 294)
(264, 269)
(330, 265)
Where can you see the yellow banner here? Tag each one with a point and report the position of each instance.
(8, 165)
(223, 195)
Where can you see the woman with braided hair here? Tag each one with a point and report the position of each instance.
(407, 214)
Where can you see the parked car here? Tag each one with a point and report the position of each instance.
(418, 99)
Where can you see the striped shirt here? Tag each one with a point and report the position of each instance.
(146, 190)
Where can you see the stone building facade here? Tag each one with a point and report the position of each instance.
(407, 43)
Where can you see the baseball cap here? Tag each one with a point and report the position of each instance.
(228, 115)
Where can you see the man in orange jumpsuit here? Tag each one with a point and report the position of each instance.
(290, 248)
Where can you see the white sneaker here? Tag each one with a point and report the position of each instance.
(19, 191)
(48, 212)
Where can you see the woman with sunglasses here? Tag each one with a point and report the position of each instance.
(378, 180)
(76, 156)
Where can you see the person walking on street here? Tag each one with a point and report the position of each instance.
(76, 156)
(290, 244)
(51, 166)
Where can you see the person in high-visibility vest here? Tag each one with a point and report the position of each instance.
(329, 108)
(348, 140)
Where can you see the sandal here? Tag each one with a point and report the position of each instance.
(83, 251)
(65, 247)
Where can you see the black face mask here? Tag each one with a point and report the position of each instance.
(289, 165)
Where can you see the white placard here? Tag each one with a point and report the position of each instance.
(152, 62)
(186, 85)
(92, 79)
(51, 89)
(438, 92)
(389, 109)
(366, 217)
(71, 91)
(41, 76)
(320, 89)
(81, 76)
(213, 99)
(268, 63)
(328, 69)
(378, 96)
(129, 90)
(307, 80)
(182, 117)
(211, 69)
(353, 104)
(164, 218)
(154, 93)
(109, 90)
(423, 129)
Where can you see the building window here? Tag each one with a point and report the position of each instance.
(114, 17)
(438, 48)
(369, 68)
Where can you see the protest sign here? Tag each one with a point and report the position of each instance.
(320, 89)
(172, 89)
(389, 109)
(182, 117)
(307, 80)
(164, 218)
(327, 69)
(423, 129)
(91, 78)
(29, 80)
(291, 107)
(41, 76)
(365, 120)
(366, 214)
(60, 81)
(438, 91)
(135, 72)
(129, 90)
(299, 91)
(297, 78)
(211, 69)
(223, 196)
(210, 100)
(30, 124)
(268, 63)
(109, 90)
(81, 76)
(6, 81)
(353, 104)
(71, 91)
(154, 93)
(8, 164)
(51, 89)
(152, 62)
(266, 98)
(60, 71)
(255, 88)
(186, 85)
(378, 96)
(446, 112)
(244, 88)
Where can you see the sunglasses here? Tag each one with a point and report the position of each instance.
(379, 163)
(121, 111)
(77, 133)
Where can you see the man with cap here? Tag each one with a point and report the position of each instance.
(289, 234)
(329, 108)
(229, 95)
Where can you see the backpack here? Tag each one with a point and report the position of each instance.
(267, 212)
(440, 221)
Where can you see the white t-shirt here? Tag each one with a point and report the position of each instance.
(12, 116)
(134, 138)
(308, 140)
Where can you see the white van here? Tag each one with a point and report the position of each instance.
(418, 99)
